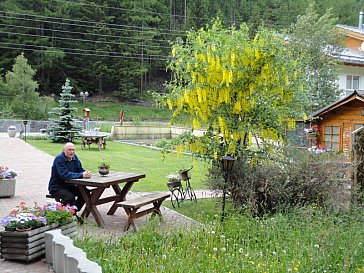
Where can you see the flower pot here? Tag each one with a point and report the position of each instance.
(174, 184)
(103, 171)
(311, 136)
(184, 175)
(22, 229)
(7, 187)
(11, 131)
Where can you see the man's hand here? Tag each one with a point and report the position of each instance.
(86, 174)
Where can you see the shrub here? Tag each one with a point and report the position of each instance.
(291, 177)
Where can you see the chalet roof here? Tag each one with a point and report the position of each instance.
(354, 30)
(347, 55)
(355, 95)
(350, 56)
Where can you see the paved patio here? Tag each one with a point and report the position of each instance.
(33, 167)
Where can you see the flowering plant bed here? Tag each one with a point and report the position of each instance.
(7, 181)
(173, 177)
(6, 173)
(28, 245)
(23, 217)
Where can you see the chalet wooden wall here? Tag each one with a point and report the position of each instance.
(353, 43)
(345, 116)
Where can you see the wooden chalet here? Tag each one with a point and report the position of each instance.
(336, 122)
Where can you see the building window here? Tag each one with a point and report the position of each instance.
(332, 137)
(352, 82)
(357, 126)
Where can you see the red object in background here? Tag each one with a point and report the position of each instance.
(121, 117)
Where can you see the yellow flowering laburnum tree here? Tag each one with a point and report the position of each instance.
(236, 86)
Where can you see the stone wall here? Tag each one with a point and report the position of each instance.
(34, 126)
(130, 132)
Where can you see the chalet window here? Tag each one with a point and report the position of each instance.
(352, 82)
(332, 137)
(357, 126)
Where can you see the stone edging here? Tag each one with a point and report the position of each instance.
(65, 257)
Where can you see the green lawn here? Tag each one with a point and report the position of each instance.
(110, 111)
(130, 158)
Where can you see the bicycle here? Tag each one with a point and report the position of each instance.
(178, 193)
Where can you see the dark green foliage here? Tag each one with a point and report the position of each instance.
(63, 116)
(314, 39)
(103, 44)
(19, 90)
(292, 177)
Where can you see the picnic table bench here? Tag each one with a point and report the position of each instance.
(99, 139)
(133, 205)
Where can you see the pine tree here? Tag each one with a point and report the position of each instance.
(63, 128)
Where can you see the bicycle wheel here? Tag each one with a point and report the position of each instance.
(176, 197)
(191, 194)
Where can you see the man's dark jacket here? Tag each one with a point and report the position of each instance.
(62, 170)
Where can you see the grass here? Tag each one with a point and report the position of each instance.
(110, 111)
(211, 208)
(306, 240)
(130, 158)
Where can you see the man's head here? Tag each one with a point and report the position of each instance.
(69, 150)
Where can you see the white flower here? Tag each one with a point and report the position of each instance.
(241, 250)
(316, 245)
(214, 249)
(223, 249)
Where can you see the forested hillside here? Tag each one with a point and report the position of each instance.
(119, 48)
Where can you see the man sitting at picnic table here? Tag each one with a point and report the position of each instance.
(66, 166)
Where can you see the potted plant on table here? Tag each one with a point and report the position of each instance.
(103, 167)
(7, 181)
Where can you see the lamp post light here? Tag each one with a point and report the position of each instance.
(84, 96)
(25, 122)
(227, 164)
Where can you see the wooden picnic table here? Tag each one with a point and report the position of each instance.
(98, 184)
(99, 139)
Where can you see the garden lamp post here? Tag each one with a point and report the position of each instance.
(84, 96)
(227, 164)
(25, 122)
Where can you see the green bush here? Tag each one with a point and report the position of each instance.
(291, 177)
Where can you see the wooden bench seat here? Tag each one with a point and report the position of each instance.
(131, 207)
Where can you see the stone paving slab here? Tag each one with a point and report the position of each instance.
(33, 167)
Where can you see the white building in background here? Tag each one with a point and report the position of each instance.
(352, 58)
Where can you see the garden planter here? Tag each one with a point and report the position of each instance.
(29, 245)
(7, 187)
(311, 135)
(11, 131)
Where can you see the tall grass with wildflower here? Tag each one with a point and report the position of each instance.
(306, 240)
